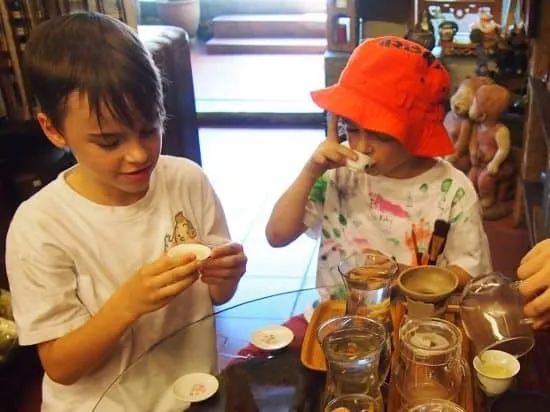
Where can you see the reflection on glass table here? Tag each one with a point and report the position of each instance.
(250, 379)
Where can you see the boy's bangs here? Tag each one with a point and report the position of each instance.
(127, 100)
(117, 74)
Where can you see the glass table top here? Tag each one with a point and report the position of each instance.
(249, 378)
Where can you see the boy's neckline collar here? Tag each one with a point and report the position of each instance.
(111, 212)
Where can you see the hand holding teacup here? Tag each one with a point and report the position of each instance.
(220, 262)
(227, 262)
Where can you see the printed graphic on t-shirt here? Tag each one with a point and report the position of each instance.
(355, 214)
(184, 231)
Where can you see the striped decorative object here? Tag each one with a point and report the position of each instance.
(17, 18)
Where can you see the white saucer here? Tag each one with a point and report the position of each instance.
(200, 251)
(195, 387)
(272, 337)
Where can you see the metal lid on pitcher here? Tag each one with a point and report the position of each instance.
(430, 336)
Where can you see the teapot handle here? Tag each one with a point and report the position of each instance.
(526, 320)
(466, 380)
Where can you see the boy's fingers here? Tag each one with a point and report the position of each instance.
(166, 263)
(332, 127)
(532, 266)
(539, 305)
(539, 248)
(172, 289)
(176, 274)
(346, 152)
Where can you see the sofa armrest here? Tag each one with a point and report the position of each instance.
(171, 50)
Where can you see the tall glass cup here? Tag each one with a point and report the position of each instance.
(368, 278)
(356, 354)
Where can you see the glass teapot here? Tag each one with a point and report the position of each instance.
(491, 309)
(353, 403)
(357, 356)
(435, 405)
(430, 363)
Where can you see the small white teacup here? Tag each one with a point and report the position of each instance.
(363, 161)
(495, 371)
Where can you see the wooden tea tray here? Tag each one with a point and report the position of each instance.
(312, 355)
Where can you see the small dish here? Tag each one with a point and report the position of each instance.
(200, 251)
(495, 371)
(272, 337)
(195, 387)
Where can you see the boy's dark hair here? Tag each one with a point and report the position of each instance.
(99, 57)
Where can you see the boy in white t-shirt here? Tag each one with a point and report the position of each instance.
(390, 96)
(91, 284)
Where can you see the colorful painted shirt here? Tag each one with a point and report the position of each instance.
(353, 211)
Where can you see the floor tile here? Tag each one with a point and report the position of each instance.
(269, 80)
(251, 168)
(290, 261)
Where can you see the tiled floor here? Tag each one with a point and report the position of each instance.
(264, 83)
(250, 169)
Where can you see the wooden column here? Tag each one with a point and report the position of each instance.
(535, 156)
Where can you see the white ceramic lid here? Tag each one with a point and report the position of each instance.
(200, 251)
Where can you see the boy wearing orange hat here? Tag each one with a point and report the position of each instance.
(390, 97)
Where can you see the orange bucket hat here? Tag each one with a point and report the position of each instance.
(396, 87)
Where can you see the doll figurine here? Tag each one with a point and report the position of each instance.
(493, 168)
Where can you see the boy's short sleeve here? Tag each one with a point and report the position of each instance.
(214, 224)
(467, 245)
(43, 284)
(313, 216)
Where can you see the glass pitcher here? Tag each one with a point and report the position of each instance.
(357, 356)
(353, 403)
(491, 309)
(430, 364)
(368, 278)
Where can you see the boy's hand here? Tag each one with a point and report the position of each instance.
(156, 284)
(534, 273)
(226, 263)
(330, 154)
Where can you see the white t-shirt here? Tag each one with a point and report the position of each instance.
(353, 211)
(65, 256)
